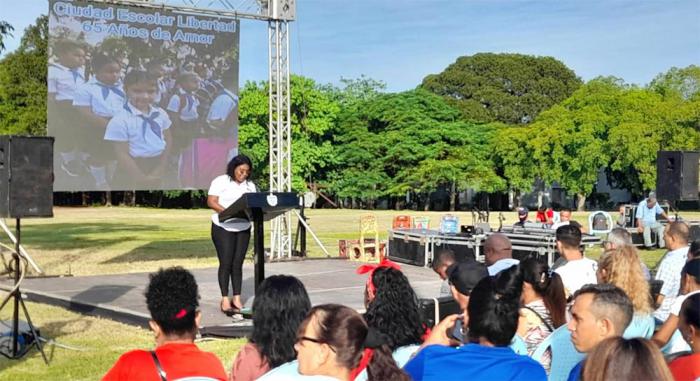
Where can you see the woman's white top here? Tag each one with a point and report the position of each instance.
(228, 192)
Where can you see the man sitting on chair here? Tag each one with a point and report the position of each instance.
(647, 210)
(599, 311)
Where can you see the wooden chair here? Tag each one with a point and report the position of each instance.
(369, 247)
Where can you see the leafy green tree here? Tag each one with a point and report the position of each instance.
(513, 157)
(609, 125)
(313, 113)
(509, 88)
(408, 142)
(5, 30)
(23, 83)
(683, 83)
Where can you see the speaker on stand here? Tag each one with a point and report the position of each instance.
(26, 190)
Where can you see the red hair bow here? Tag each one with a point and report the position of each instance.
(371, 268)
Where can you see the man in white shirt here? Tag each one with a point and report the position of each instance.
(669, 270)
(647, 210)
(498, 253)
(578, 270)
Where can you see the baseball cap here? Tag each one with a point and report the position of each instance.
(465, 275)
(522, 211)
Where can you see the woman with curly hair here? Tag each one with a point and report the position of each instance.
(173, 301)
(281, 304)
(392, 309)
(621, 267)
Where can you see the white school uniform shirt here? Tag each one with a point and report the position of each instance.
(577, 273)
(162, 90)
(229, 192)
(222, 106)
(189, 111)
(63, 81)
(128, 126)
(103, 100)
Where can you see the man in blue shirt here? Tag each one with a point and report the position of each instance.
(599, 311)
(492, 319)
(647, 210)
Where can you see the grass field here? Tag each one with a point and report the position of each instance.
(106, 240)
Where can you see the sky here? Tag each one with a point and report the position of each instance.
(401, 41)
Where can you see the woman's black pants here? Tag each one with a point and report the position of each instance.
(230, 248)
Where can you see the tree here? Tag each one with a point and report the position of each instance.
(683, 83)
(23, 83)
(313, 113)
(5, 30)
(609, 125)
(408, 142)
(509, 88)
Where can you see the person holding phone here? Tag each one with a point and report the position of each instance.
(492, 319)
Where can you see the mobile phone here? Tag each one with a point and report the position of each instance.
(457, 331)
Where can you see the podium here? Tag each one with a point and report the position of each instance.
(259, 207)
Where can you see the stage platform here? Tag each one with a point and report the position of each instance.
(121, 296)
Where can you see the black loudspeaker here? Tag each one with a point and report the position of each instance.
(677, 175)
(26, 176)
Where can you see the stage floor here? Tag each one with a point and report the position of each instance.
(121, 296)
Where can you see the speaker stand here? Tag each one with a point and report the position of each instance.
(16, 296)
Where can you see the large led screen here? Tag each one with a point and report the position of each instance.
(140, 98)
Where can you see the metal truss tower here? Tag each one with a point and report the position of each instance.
(278, 14)
(280, 131)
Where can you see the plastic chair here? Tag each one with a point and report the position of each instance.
(600, 222)
(564, 355)
(449, 224)
(518, 345)
(640, 326)
(421, 223)
(401, 222)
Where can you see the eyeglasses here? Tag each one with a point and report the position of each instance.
(313, 340)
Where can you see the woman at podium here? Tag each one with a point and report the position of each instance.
(230, 237)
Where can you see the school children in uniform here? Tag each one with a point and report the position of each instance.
(182, 108)
(141, 133)
(218, 143)
(97, 101)
(65, 74)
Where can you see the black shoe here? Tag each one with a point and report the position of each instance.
(231, 311)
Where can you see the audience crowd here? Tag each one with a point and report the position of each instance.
(604, 311)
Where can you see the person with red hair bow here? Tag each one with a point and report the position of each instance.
(392, 310)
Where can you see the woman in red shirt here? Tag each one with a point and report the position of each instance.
(688, 367)
(172, 300)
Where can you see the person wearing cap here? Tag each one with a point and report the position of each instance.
(522, 217)
(498, 253)
(647, 210)
(691, 286)
(463, 276)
